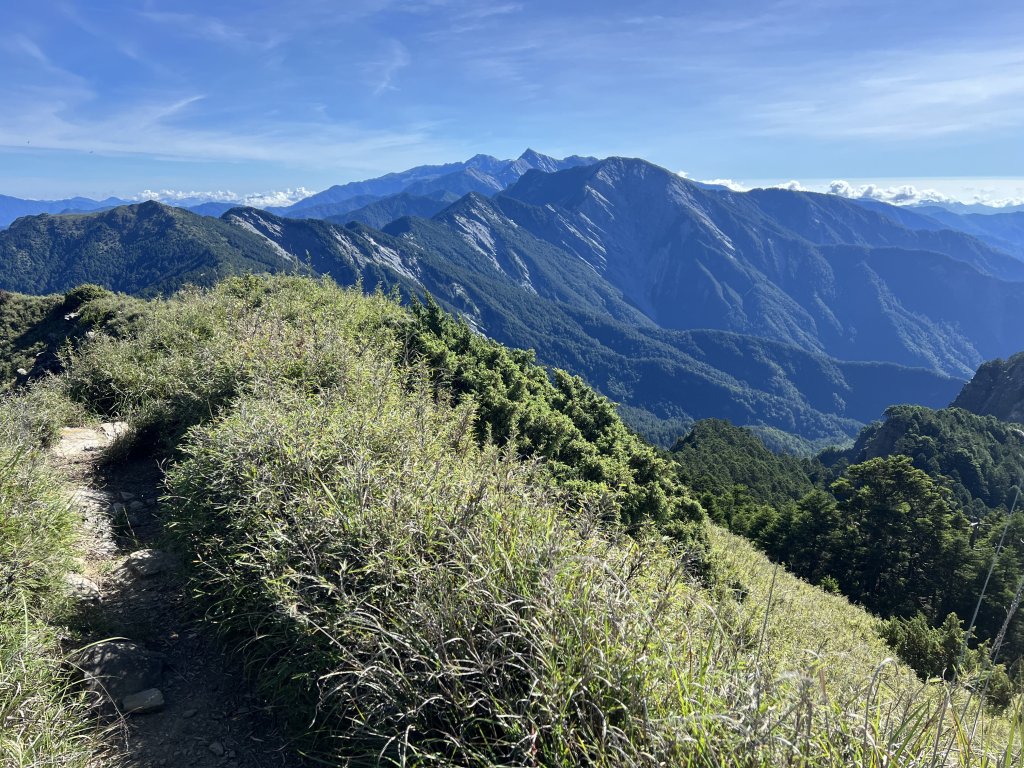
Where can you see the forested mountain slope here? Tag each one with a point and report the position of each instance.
(147, 248)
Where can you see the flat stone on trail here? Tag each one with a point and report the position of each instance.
(149, 562)
(120, 668)
(149, 700)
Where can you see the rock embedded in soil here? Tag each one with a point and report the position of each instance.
(82, 589)
(119, 668)
(149, 562)
(149, 700)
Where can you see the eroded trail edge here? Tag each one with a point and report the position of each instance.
(150, 660)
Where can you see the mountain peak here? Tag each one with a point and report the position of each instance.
(150, 205)
(532, 155)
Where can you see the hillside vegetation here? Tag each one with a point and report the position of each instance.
(917, 521)
(428, 552)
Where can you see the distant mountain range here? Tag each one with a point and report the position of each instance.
(982, 209)
(482, 174)
(793, 312)
(12, 208)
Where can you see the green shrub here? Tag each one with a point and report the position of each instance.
(576, 431)
(931, 651)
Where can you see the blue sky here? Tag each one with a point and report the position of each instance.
(107, 98)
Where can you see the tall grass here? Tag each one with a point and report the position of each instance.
(168, 365)
(411, 599)
(42, 722)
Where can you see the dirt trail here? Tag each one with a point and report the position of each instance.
(131, 587)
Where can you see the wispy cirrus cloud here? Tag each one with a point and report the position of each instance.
(214, 29)
(899, 96)
(382, 72)
(51, 118)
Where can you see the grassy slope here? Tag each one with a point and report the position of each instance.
(443, 602)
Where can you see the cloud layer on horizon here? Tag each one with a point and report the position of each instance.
(975, 192)
(280, 198)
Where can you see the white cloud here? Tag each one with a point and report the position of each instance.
(280, 198)
(177, 196)
(905, 194)
(735, 186)
(993, 192)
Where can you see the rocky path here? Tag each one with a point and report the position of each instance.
(153, 665)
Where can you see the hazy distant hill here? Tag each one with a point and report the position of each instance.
(12, 208)
(1000, 230)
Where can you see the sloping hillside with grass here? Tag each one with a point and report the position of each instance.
(428, 552)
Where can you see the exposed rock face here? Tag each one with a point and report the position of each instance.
(997, 389)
